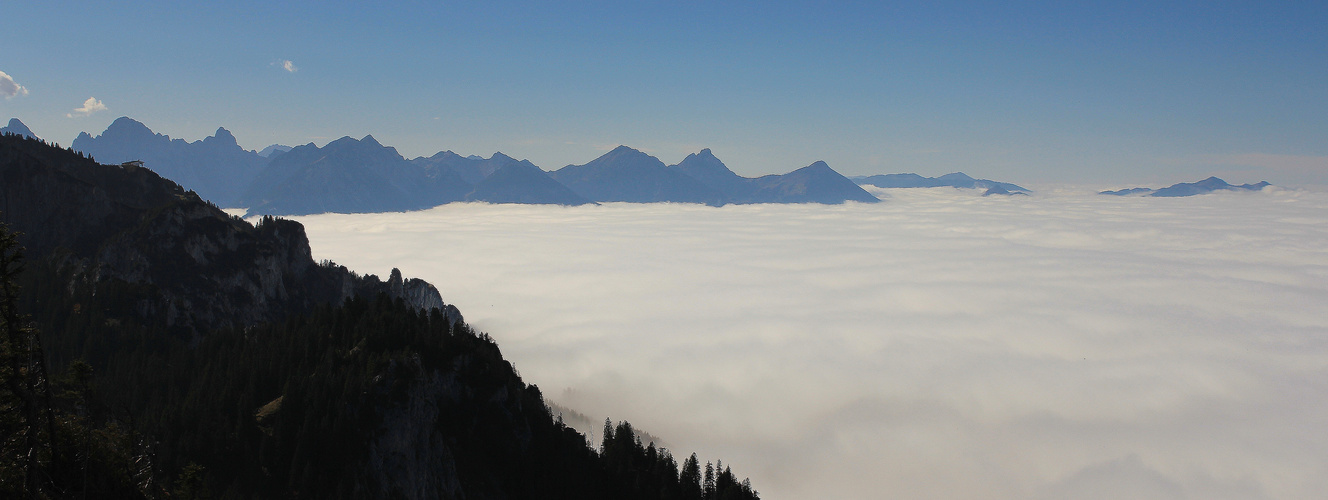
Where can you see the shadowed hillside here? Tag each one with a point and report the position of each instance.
(156, 348)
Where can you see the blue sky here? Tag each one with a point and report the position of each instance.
(1115, 93)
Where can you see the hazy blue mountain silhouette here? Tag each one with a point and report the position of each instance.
(1001, 191)
(502, 179)
(957, 180)
(705, 167)
(817, 183)
(1129, 191)
(349, 176)
(471, 168)
(626, 174)
(216, 167)
(17, 127)
(1205, 186)
(1189, 188)
(273, 150)
(523, 182)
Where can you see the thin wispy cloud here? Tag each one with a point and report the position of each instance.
(90, 106)
(938, 345)
(10, 88)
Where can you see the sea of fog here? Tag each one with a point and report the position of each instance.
(938, 345)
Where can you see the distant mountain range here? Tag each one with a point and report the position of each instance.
(815, 183)
(625, 174)
(216, 168)
(957, 180)
(1188, 188)
(275, 149)
(353, 176)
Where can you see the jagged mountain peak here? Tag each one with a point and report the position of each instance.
(957, 176)
(125, 121)
(215, 167)
(704, 163)
(626, 156)
(223, 137)
(817, 166)
(366, 143)
(274, 150)
(17, 127)
(127, 125)
(441, 155)
(345, 139)
(704, 155)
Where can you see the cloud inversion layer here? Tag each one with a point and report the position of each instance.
(937, 345)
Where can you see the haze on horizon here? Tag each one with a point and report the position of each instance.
(1150, 94)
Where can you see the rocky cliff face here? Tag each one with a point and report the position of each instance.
(126, 223)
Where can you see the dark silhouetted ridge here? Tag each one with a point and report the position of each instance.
(167, 350)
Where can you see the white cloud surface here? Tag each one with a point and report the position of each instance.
(289, 66)
(90, 106)
(937, 345)
(10, 88)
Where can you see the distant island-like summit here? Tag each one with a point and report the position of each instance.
(1205, 186)
(955, 180)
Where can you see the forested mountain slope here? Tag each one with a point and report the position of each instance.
(154, 347)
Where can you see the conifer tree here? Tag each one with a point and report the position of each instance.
(708, 488)
(690, 478)
(26, 400)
